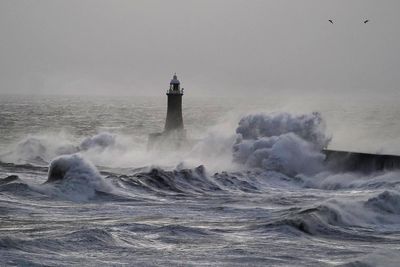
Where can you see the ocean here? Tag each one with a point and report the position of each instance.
(79, 187)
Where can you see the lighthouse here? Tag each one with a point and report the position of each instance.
(174, 121)
(174, 134)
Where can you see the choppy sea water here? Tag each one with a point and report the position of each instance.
(252, 191)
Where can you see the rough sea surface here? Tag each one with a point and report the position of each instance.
(78, 186)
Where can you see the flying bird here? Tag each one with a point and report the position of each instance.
(331, 21)
(365, 21)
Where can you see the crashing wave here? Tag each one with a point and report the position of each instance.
(282, 142)
(309, 127)
(336, 181)
(387, 201)
(347, 218)
(185, 181)
(8, 179)
(76, 178)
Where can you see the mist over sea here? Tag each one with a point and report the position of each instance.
(252, 191)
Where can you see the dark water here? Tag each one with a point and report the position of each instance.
(264, 198)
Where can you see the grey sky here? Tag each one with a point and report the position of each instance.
(221, 47)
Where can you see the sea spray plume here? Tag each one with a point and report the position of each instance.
(116, 150)
(39, 149)
(42, 148)
(214, 151)
(76, 178)
(100, 141)
(309, 127)
(31, 149)
(282, 142)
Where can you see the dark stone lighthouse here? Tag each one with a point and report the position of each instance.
(174, 121)
(174, 134)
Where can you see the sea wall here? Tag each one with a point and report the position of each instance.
(361, 162)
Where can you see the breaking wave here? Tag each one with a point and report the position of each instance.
(385, 202)
(347, 218)
(349, 180)
(282, 142)
(75, 178)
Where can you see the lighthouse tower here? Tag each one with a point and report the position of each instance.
(174, 135)
(174, 121)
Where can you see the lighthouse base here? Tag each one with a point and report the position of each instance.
(168, 140)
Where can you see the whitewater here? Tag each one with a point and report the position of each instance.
(78, 186)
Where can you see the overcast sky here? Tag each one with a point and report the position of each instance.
(221, 47)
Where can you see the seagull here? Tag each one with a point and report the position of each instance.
(365, 21)
(331, 21)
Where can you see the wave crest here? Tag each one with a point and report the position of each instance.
(75, 178)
